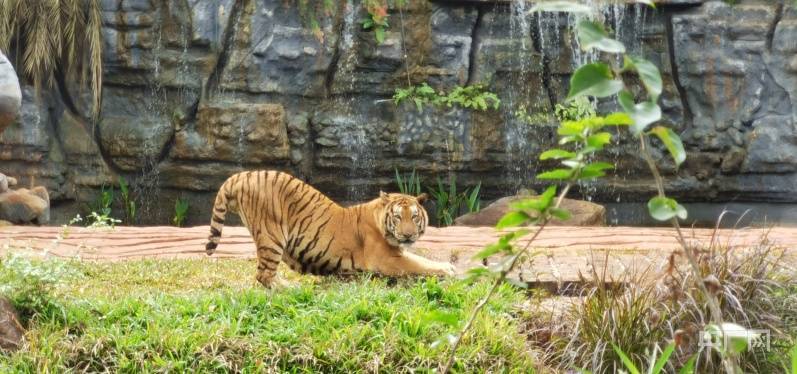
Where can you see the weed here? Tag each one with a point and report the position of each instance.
(409, 184)
(449, 202)
(30, 285)
(128, 202)
(180, 211)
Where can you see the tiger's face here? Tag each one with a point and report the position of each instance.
(403, 218)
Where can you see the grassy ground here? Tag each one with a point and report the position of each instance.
(210, 316)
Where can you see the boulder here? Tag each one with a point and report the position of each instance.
(6, 181)
(10, 94)
(584, 213)
(24, 206)
(12, 335)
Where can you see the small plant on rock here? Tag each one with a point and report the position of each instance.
(409, 184)
(474, 97)
(180, 211)
(128, 202)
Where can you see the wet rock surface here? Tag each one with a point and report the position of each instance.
(197, 90)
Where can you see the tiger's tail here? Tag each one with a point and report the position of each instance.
(217, 218)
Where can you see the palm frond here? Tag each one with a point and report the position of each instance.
(51, 37)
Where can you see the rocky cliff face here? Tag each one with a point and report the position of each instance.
(197, 90)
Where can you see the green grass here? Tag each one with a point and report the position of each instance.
(211, 316)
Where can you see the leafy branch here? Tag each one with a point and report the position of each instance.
(587, 138)
(598, 80)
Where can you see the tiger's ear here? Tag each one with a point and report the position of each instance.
(422, 198)
(383, 196)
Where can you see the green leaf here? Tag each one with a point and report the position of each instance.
(599, 140)
(379, 33)
(689, 367)
(446, 318)
(418, 104)
(665, 355)
(595, 170)
(594, 79)
(673, 143)
(547, 196)
(561, 214)
(618, 119)
(646, 2)
(475, 274)
(648, 73)
(512, 219)
(560, 6)
(592, 35)
(571, 128)
(556, 154)
(626, 361)
(556, 174)
(643, 114)
(664, 208)
(794, 360)
(488, 251)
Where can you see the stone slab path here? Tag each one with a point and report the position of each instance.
(563, 254)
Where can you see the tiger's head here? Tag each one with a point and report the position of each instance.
(402, 218)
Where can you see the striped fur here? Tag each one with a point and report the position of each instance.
(292, 222)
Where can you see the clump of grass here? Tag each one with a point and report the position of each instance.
(754, 286)
(30, 285)
(211, 316)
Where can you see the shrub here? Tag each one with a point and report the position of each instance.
(30, 285)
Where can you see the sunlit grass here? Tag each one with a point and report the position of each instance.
(211, 316)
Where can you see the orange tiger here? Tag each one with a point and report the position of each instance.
(292, 222)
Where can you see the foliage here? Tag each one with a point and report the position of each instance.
(586, 136)
(128, 202)
(180, 211)
(103, 202)
(377, 18)
(637, 315)
(474, 97)
(55, 40)
(409, 184)
(533, 116)
(574, 110)
(30, 285)
(420, 95)
(200, 316)
(449, 202)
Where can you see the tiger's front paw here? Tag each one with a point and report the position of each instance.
(447, 269)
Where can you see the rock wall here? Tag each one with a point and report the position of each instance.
(195, 90)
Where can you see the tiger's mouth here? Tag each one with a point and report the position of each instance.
(393, 240)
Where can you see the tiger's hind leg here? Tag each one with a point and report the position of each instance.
(269, 255)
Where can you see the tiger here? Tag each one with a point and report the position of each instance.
(292, 222)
